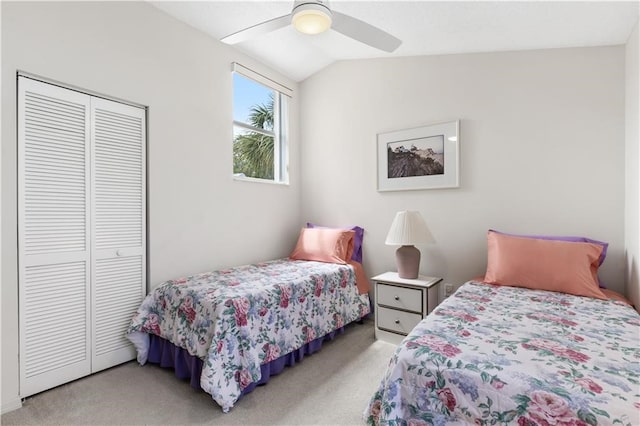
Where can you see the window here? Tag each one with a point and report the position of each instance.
(259, 126)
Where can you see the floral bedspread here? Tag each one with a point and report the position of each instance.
(239, 318)
(506, 355)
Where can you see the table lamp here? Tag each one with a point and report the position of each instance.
(408, 228)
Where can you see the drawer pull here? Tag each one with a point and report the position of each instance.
(396, 297)
(397, 321)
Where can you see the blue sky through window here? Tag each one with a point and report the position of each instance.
(247, 93)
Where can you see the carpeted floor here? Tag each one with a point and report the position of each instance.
(330, 387)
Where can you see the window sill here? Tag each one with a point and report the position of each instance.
(256, 180)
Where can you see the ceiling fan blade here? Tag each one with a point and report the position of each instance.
(363, 32)
(257, 30)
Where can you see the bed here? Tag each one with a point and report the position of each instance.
(494, 353)
(228, 330)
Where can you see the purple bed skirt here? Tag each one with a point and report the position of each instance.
(187, 366)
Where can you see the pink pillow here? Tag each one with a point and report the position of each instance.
(562, 266)
(571, 239)
(357, 239)
(324, 245)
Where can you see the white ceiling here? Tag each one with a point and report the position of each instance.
(425, 27)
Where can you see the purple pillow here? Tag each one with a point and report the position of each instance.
(357, 239)
(569, 239)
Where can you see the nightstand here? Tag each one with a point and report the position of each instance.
(402, 303)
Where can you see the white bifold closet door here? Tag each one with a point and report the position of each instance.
(118, 227)
(81, 231)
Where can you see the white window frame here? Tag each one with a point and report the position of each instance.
(280, 130)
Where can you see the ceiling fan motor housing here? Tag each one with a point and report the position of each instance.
(311, 17)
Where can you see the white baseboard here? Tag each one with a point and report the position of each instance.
(11, 405)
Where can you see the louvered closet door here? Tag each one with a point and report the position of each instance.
(119, 240)
(53, 235)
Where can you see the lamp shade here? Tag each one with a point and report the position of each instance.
(311, 18)
(408, 228)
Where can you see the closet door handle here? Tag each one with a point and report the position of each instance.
(119, 253)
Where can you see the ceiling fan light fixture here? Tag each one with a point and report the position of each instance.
(311, 18)
(314, 17)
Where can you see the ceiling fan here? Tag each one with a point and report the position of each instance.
(315, 17)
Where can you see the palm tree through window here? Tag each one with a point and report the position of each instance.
(259, 136)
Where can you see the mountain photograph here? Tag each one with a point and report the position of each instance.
(419, 157)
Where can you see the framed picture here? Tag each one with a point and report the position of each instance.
(421, 158)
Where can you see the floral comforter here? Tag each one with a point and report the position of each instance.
(506, 355)
(237, 319)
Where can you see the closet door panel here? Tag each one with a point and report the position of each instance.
(119, 236)
(118, 295)
(55, 334)
(53, 235)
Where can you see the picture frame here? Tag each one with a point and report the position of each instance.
(424, 157)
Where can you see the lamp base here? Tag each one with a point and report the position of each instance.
(408, 262)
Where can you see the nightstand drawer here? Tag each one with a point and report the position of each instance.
(397, 321)
(409, 299)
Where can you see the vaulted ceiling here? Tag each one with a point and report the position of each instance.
(425, 28)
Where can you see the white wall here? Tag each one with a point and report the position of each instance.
(199, 218)
(632, 160)
(541, 143)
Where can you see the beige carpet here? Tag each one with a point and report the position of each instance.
(330, 387)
